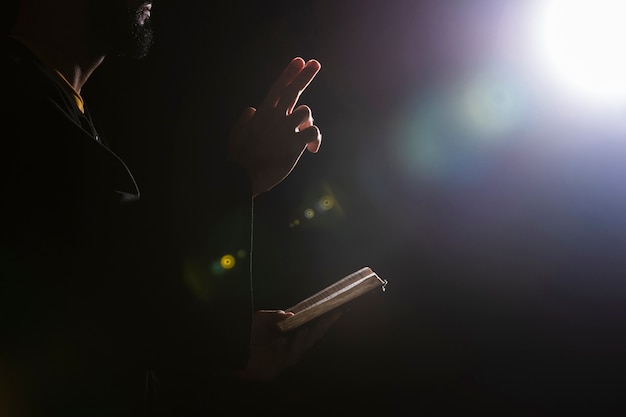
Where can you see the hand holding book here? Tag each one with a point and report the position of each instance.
(279, 338)
(332, 297)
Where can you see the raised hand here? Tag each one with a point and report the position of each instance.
(269, 141)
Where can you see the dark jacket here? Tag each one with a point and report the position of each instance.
(93, 297)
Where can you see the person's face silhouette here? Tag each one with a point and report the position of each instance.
(120, 27)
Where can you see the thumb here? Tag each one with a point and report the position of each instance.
(246, 115)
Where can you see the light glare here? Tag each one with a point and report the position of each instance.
(581, 45)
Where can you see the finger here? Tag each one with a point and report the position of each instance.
(311, 138)
(286, 78)
(245, 116)
(268, 319)
(301, 118)
(271, 316)
(289, 98)
(306, 75)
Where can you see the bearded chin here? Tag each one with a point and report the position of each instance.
(139, 42)
(117, 31)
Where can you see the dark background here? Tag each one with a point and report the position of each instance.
(502, 237)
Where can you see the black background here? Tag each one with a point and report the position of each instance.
(506, 272)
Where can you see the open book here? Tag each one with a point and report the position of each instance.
(346, 289)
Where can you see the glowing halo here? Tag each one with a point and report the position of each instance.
(580, 43)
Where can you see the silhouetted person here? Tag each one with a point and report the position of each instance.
(92, 320)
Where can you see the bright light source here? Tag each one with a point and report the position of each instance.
(582, 43)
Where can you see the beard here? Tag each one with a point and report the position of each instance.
(118, 27)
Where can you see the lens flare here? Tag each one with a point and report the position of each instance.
(580, 45)
(326, 203)
(227, 261)
(452, 134)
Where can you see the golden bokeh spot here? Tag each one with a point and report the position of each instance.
(227, 262)
(309, 213)
(327, 202)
